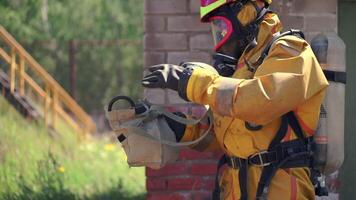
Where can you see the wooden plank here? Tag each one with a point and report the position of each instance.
(67, 118)
(5, 56)
(12, 74)
(53, 105)
(21, 76)
(47, 105)
(34, 86)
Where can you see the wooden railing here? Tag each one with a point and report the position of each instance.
(30, 79)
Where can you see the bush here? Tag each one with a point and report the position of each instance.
(36, 165)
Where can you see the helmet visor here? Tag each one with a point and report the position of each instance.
(221, 29)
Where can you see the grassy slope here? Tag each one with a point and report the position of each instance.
(35, 165)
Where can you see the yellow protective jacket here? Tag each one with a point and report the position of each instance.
(289, 79)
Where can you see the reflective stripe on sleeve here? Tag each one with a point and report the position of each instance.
(225, 94)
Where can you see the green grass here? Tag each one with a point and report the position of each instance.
(37, 165)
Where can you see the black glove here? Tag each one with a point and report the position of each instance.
(163, 76)
(176, 127)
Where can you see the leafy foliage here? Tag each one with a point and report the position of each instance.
(37, 166)
(104, 69)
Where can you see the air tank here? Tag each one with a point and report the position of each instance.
(330, 52)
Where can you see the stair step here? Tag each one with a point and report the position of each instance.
(20, 103)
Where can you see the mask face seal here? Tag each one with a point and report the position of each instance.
(231, 38)
(224, 64)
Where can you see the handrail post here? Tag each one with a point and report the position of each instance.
(12, 70)
(21, 76)
(54, 104)
(47, 102)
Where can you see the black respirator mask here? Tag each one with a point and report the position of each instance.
(231, 38)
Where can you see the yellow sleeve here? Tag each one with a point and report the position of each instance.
(289, 76)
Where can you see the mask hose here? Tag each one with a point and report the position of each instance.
(224, 64)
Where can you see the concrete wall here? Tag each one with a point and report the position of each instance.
(173, 33)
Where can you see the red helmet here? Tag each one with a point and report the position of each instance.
(208, 6)
(222, 28)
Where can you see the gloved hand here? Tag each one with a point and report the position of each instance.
(163, 76)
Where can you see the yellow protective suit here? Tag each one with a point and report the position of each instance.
(290, 78)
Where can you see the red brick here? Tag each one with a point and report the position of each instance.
(281, 7)
(207, 183)
(166, 41)
(154, 23)
(325, 23)
(195, 155)
(204, 169)
(196, 56)
(168, 196)
(217, 155)
(153, 58)
(169, 170)
(292, 22)
(191, 183)
(182, 183)
(156, 184)
(186, 24)
(201, 42)
(165, 6)
(207, 195)
(310, 35)
(307, 6)
(194, 6)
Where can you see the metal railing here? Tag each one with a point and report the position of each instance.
(54, 100)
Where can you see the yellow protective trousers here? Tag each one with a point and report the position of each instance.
(289, 79)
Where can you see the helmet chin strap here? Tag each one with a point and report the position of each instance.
(243, 37)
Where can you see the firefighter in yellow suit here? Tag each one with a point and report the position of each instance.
(248, 97)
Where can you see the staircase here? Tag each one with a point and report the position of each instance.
(20, 103)
(34, 93)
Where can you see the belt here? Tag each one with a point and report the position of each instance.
(292, 154)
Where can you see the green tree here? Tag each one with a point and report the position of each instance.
(45, 28)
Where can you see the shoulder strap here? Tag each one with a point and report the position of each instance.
(269, 171)
(335, 76)
(266, 50)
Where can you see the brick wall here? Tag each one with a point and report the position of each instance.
(173, 33)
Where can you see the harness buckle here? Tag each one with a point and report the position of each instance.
(259, 154)
(236, 162)
(234, 165)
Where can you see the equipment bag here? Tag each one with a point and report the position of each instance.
(145, 135)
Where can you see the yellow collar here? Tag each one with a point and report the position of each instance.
(269, 26)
